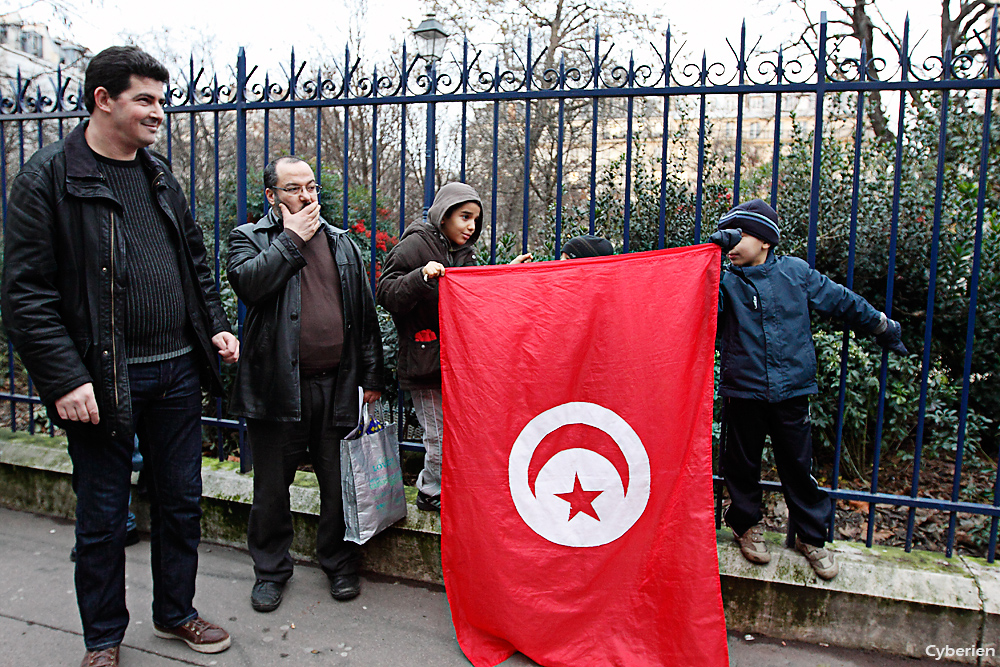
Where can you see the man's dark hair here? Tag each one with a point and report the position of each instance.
(113, 69)
(271, 170)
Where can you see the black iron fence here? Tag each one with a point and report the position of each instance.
(884, 173)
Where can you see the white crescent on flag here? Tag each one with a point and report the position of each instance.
(603, 503)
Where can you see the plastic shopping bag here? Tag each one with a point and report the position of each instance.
(371, 479)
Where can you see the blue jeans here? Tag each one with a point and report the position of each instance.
(166, 409)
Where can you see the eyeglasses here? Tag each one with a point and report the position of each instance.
(298, 189)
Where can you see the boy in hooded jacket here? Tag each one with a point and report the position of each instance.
(768, 371)
(408, 289)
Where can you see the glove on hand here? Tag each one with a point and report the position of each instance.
(727, 239)
(890, 338)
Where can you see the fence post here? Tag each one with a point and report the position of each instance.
(246, 458)
(700, 189)
(931, 290)
(665, 147)
(904, 64)
(817, 140)
(431, 140)
(742, 67)
(593, 130)
(970, 331)
(373, 212)
(528, 74)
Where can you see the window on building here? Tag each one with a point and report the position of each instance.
(31, 42)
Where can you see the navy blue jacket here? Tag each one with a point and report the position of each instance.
(767, 348)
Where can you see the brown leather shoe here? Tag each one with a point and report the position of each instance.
(752, 545)
(821, 560)
(106, 657)
(198, 634)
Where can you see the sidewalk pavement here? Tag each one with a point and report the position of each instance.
(393, 623)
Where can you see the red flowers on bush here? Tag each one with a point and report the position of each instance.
(383, 241)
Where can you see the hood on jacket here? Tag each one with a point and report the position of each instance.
(451, 195)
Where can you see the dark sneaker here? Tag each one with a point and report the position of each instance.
(198, 634)
(106, 657)
(345, 587)
(752, 545)
(428, 503)
(266, 595)
(821, 560)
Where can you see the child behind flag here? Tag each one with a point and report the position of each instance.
(587, 245)
(577, 247)
(768, 371)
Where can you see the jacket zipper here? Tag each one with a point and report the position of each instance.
(114, 355)
(759, 306)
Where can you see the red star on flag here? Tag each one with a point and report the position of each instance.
(580, 500)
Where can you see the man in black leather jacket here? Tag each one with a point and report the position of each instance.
(311, 338)
(117, 342)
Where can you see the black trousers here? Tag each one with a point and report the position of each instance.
(746, 423)
(278, 448)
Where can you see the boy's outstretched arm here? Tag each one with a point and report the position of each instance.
(834, 300)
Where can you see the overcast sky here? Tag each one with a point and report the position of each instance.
(316, 27)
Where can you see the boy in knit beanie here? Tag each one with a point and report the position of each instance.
(768, 371)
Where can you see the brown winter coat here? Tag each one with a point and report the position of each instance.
(413, 301)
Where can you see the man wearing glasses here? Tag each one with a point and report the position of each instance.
(311, 338)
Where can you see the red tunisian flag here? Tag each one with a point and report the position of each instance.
(576, 515)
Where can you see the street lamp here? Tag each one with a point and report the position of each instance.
(431, 38)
